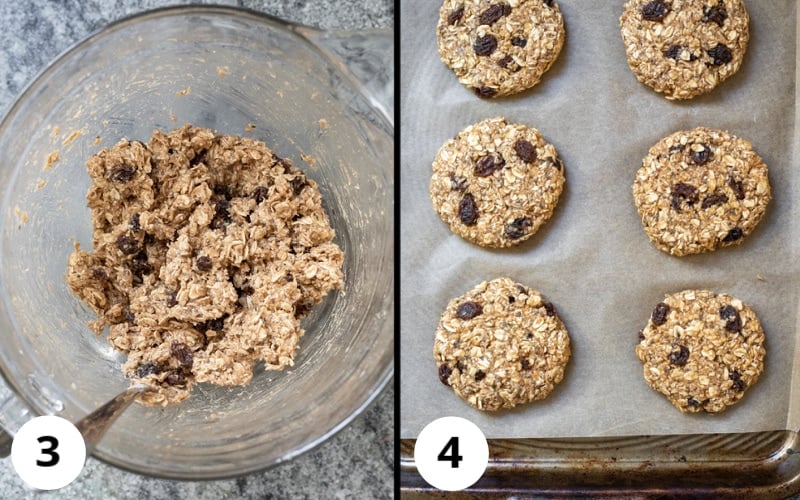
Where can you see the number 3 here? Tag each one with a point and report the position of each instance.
(54, 458)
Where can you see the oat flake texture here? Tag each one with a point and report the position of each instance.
(501, 345)
(208, 249)
(684, 48)
(702, 350)
(495, 184)
(499, 48)
(699, 190)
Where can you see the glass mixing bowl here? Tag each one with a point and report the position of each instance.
(317, 98)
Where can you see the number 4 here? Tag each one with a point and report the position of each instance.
(453, 457)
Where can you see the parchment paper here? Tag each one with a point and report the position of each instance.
(593, 260)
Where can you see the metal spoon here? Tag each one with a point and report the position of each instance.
(94, 425)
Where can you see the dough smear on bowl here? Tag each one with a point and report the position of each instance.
(208, 250)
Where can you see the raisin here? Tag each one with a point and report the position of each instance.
(222, 215)
(198, 158)
(508, 61)
(641, 336)
(655, 11)
(693, 402)
(139, 264)
(485, 45)
(519, 41)
(511, 299)
(738, 384)
(223, 191)
(493, 13)
(549, 3)
(702, 156)
(679, 357)
(549, 309)
(525, 150)
(734, 234)
(127, 245)
(468, 310)
(249, 290)
(134, 223)
(720, 55)
(260, 194)
(204, 263)
(480, 375)
(468, 210)
(99, 273)
(298, 184)
(444, 374)
(737, 187)
(182, 353)
(683, 192)
(716, 14)
(146, 369)
(458, 183)
(175, 378)
(122, 174)
(456, 15)
(460, 366)
(302, 309)
(172, 298)
(674, 52)
(659, 316)
(217, 324)
(489, 164)
(733, 322)
(485, 91)
(517, 228)
(714, 199)
(525, 364)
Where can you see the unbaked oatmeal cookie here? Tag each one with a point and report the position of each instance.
(495, 184)
(699, 190)
(499, 48)
(208, 250)
(684, 48)
(702, 350)
(501, 345)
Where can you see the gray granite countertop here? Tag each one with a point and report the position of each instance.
(356, 463)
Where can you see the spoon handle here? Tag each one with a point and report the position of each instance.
(94, 425)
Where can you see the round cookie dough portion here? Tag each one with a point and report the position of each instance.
(684, 48)
(499, 48)
(496, 183)
(702, 350)
(501, 345)
(699, 190)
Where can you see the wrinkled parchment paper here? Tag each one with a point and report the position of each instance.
(593, 260)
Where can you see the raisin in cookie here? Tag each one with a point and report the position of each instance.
(499, 48)
(699, 190)
(501, 345)
(496, 183)
(684, 48)
(702, 350)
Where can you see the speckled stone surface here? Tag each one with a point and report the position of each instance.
(356, 463)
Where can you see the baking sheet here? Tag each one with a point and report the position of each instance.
(593, 260)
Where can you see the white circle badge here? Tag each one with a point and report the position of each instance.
(48, 452)
(451, 453)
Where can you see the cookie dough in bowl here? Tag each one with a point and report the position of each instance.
(208, 250)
